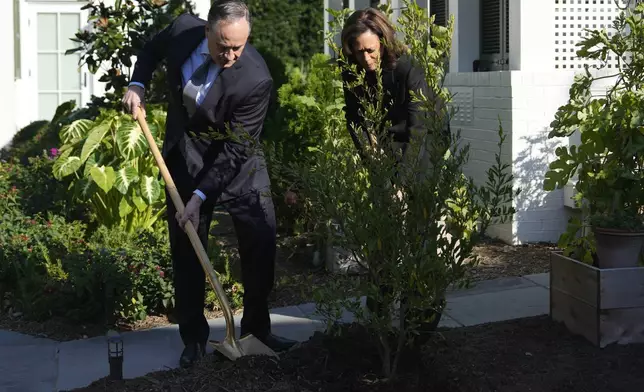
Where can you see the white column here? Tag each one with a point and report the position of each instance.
(531, 35)
(202, 7)
(334, 5)
(452, 8)
(359, 4)
(7, 104)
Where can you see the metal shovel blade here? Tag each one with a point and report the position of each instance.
(248, 345)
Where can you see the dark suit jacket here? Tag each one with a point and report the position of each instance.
(239, 97)
(405, 115)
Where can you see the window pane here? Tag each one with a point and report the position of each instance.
(69, 96)
(69, 73)
(47, 71)
(47, 32)
(47, 104)
(69, 26)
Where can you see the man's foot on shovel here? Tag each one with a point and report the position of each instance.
(191, 353)
(278, 343)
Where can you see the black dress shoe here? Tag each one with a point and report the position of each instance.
(278, 343)
(191, 353)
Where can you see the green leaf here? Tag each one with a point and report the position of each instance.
(104, 177)
(307, 101)
(84, 188)
(124, 208)
(89, 164)
(94, 139)
(125, 177)
(150, 189)
(139, 203)
(76, 130)
(66, 164)
(130, 140)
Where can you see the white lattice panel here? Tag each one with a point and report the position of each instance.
(571, 18)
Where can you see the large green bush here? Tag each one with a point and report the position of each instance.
(286, 32)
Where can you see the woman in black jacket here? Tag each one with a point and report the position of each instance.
(368, 41)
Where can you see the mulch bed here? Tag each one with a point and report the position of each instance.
(531, 354)
(498, 259)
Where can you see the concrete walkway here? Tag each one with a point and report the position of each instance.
(30, 364)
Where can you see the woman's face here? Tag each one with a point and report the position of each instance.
(367, 50)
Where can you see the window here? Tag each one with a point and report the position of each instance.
(16, 40)
(495, 34)
(440, 9)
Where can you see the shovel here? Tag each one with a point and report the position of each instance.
(229, 347)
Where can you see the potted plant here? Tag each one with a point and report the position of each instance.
(619, 237)
(595, 282)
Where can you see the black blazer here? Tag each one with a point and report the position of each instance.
(239, 97)
(405, 116)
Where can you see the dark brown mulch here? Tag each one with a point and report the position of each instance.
(532, 354)
(498, 259)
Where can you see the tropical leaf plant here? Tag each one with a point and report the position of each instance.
(112, 169)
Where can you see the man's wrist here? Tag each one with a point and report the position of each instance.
(137, 84)
(200, 194)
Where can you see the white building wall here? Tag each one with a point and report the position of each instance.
(8, 104)
(524, 104)
(536, 96)
(480, 99)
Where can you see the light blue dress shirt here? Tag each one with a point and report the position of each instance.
(197, 57)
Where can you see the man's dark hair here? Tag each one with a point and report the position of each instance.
(228, 10)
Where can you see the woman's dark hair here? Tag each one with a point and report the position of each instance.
(375, 21)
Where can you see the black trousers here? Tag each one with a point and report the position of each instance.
(253, 216)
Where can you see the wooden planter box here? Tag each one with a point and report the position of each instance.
(604, 305)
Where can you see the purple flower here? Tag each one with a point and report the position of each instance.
(53, 151)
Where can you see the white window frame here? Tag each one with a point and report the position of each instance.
(29, 43)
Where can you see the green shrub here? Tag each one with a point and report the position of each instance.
(51, 270)
(119, 33)
(32, 257)
(299, 23)
(410, 223)
(40, 137)
(310, 103)
(38, 191)
(111, 169)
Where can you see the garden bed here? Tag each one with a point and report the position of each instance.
(295, 281)
(532, 354)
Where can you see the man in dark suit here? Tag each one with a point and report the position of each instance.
(217, 82)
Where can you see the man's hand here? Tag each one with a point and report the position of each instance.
(133, 98)
(191, 213)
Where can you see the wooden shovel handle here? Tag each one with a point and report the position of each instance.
(190, 229)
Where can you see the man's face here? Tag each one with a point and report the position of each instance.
(227, 40)
(367, 51)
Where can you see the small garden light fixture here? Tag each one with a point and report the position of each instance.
(115, 354)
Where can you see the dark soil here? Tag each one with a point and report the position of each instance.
(532, 354)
